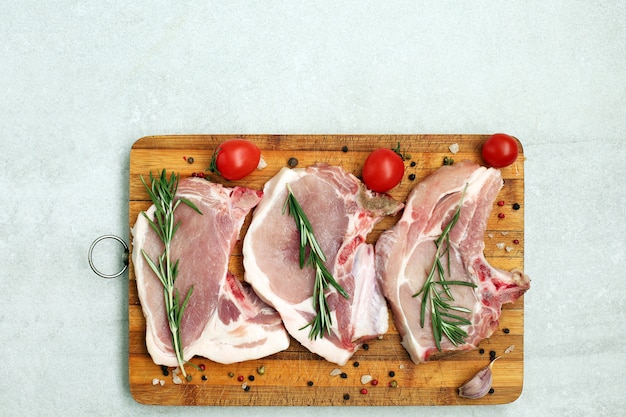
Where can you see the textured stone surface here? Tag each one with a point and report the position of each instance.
(81, 81)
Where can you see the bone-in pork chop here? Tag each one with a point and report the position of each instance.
(406, 252)
(224, 321)
(342, 212)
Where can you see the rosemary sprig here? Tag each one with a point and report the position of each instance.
(436, 289)
(323, 278)
(162, 191)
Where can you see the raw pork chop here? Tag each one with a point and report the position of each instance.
(342, 212)
(224, 321)
(406, 252)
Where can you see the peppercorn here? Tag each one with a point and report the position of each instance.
(506, 330)
(231, 374)
(516, 241)
(343, 375)
(250, 378)
(501, 215)
(164, 370)
(366, 346)
(481, 351)
(246, 388)
(374, 382)
(344, 149)
(501, 203)
(516, 206)
(393, 384)
(310, 383)
(346, 397)
(448, 161)
(190, 160)
(491, 391)
(202, 367)
(261, 370)
(292, 162)
(392, 374)
(412, 177)
(355, 364)
(204, 378)
(364, 391)
(188, 378)
(413, 163)
(240, 378)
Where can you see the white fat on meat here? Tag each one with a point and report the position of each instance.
(342, 212)
(406, 252)
(225, 321)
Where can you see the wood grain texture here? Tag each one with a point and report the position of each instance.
(288, 374)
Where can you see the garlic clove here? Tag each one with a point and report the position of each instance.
(479, 385)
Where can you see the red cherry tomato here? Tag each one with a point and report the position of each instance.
(235, 159)
(383, 170)
(500, 150)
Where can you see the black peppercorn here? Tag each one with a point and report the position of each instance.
(516, 206)
(481, 351)
(310, 383)
(346, 397)
(491, 391)
(247, 388)
(366, 346)
(413, 163)
(292, 162)
(190, 160)
(355, 364)
(343, 375)
(412, 177)
(204, 378)
(250, 377)
(392, 374)
(506, 330)
(344, 149)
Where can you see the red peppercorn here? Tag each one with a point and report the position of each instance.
(501, 216)
(374, 382)
(202, 367)
(240, 378)
(501, 203)
(516, 241)
(364, 391)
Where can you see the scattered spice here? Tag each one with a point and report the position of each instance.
(250, 378)
(164, 370)
(292, 162)
(190, 160)
(355, 364)
(374, 382)
(506, 330)
(501, 215)
(246, 388)
(448, 161)
(481, 351)
(454, 148)
(202, 367)
(366, 378)
(509, 349)
(364, 391)
(346, 397)
(492, 354)
(392, 374)
(501, 203)
(197, 174)
(231, 374)
(343, 375)
(204, 378)
(516, 206)
(413, 163)
(188, 378)
(393, 384)
(516, 241)
(260, 370)
(412, 177)
(491, 391)
(240, 378)
(366, 346)
(335, 372)
(500, 245)
(344, 149)
(508, 249)
(310, 383)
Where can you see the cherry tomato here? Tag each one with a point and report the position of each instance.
(235, 159)
(383, 170)
(500, 150)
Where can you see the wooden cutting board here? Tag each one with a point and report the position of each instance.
(296, 376)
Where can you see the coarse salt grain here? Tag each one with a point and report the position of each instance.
(155, 381)
(366, 379)
(454, 148)
(508, 249)
(490, 235)
(335, 372)
(509, 349)
(500, 245)
(176, 379)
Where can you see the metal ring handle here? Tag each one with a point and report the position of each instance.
(124, 257)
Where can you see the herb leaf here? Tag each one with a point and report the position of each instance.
(162, 191)
(436, 289)
(322, 322)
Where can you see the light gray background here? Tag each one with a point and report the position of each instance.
(80, 81)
